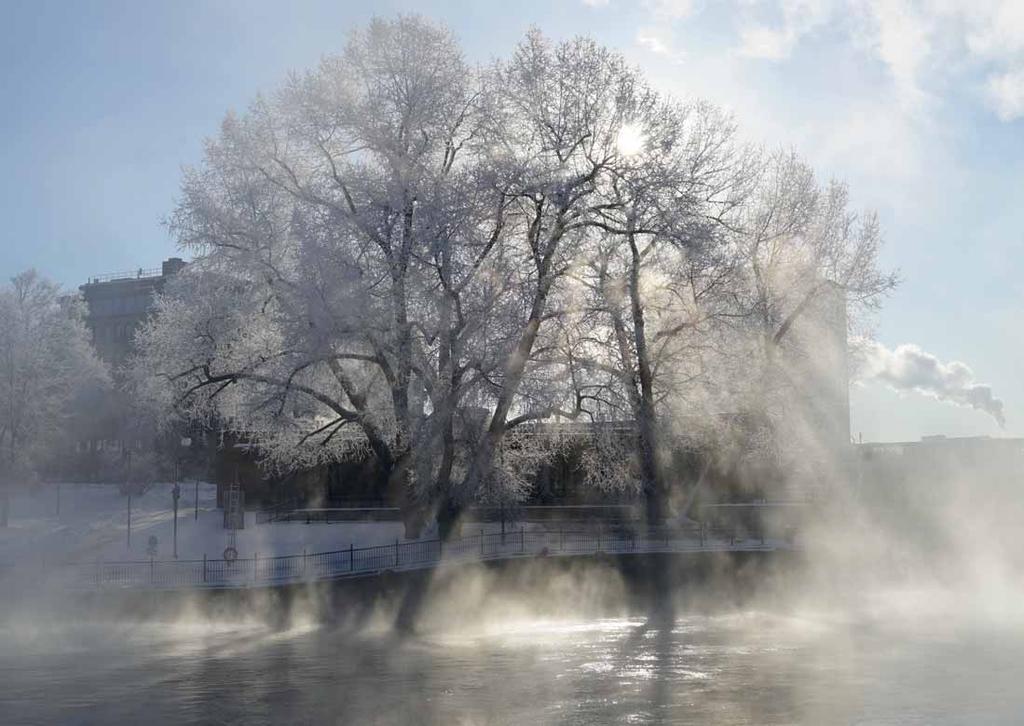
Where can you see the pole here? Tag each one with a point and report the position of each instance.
(204, 567)
(177, 493)
(197, 500)
(128, 484)
(58, 499)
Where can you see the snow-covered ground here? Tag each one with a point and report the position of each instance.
(93, 523)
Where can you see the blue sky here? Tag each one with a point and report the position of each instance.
(918, 105)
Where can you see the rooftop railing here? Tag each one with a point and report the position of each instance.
(139, 274)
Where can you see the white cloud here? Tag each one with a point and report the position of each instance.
(656, 40)
(1005, 92)
(775, 41)
(596, 3)
(768, 43)
(995, 28)
(927, 47)
(903, 41)
(670, 10)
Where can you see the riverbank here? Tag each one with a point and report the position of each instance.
(604, 585)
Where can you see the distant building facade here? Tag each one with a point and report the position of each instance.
(119, 303)
(112, 440)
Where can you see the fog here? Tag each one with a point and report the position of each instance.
(568, 361)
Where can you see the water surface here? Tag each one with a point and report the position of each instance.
(748, 667)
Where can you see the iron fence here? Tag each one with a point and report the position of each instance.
(398, 556)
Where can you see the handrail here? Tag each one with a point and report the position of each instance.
(138, 274)
(354, 561)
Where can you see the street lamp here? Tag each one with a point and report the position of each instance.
(176, 492)
(128, 486)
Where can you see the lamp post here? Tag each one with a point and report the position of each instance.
(127, 484)
(185, 443)
(176, 493)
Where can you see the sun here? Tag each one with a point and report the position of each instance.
(630, 140)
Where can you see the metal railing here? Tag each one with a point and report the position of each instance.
(138, 274)
(258, 571)
(343, 512)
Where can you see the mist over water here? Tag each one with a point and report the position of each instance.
(906, 617)
(901, 605)
(744, 667)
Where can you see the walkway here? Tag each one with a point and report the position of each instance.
(401, 556)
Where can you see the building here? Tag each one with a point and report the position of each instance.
(936, 460)
(113, 441)
(119, 303)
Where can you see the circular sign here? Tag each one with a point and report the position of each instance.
(230, 554)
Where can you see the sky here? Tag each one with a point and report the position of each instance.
(917, 105)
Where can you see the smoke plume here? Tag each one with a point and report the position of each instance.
(908, 368)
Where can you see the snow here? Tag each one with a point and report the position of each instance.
(92, 525)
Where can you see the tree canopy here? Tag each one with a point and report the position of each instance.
(400, 255)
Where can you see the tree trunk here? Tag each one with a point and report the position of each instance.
(647, 425)
(483, 460)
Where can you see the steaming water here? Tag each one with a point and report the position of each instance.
(742, 668)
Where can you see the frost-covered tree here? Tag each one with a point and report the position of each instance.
(660, 270)
(811, 271)
(403, 257)
(45, 359)
(348, 273)
(565, 113)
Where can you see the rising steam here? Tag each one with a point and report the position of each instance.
(908, 368)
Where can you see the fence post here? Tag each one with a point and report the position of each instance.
(561, 537)
(304, 558)
(522, 539)
(481, 543)
(255, 566)
(351, 561)
(599, 538)
(150, 570)
(204, 567)
(396, 552)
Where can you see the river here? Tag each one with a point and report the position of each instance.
(744, 666)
